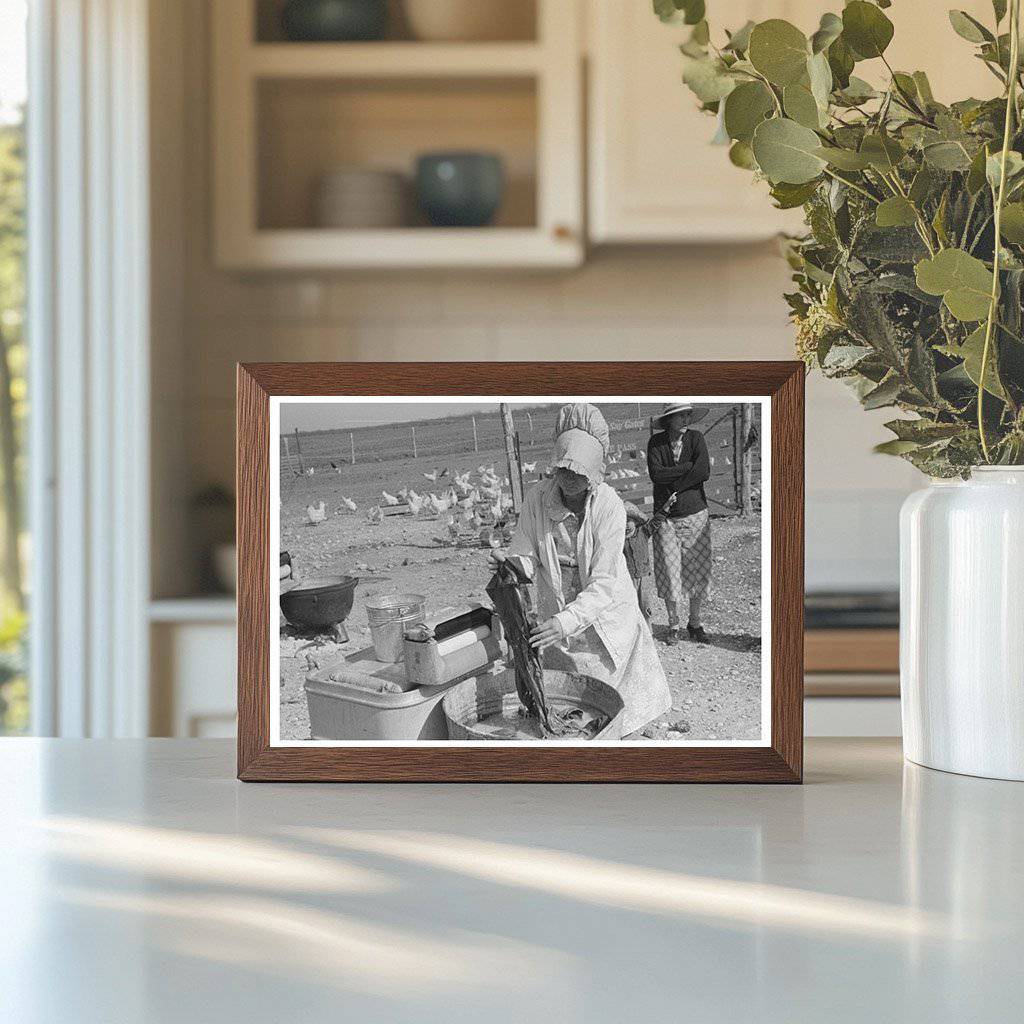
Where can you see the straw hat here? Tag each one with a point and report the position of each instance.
(669, 408)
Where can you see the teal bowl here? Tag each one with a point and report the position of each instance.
(461, 190)
(334, 21)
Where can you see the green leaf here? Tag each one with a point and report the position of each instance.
(866, 29)
(895, 212)
(922, 185)
(690, 12)
(963, 281)
(779, 51)
(844, 159)
(788, 196)
(969, 28)
(923, 431)
(819, 74)
(895, 447)
(745, 108)
(882, 151)
(947, 156)
(707, 78)
(885, 394)
(739, 41)
(999, 9)
(1012, 224)
(924, 88)
(829, 29)
(741, 155)
(971, 352)
(976, 173)
(857, 91)
(841, 63)
(993, 166)
(801, 106)
(787, 151)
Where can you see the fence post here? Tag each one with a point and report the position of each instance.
(298, 451)
(737, 454)
(352, 445)
(746, 460)
(515, 471)
(476, 443)
(414, 442)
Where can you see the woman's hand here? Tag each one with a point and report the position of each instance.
(547, 633)
(495, 558)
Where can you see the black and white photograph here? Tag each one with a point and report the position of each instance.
(533, 570)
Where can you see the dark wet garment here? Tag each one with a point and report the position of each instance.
(511, 591)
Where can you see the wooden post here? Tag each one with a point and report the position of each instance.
(286, 456)
(746, 461)
(737, 454)
(352, 445)
(414, 442)
(476, 443)
(529, 419)
(515, 469)
(298, 451)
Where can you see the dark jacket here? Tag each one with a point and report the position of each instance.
(686, 476)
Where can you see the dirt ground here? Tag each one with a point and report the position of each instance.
(716, 688)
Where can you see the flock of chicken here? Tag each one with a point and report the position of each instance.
(479, 497)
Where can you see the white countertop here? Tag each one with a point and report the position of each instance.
(140, 882)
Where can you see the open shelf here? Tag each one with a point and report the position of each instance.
(286, 114)
(308, 127)
(520, 23)
(393, 60)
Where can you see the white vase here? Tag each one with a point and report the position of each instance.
(962, 624)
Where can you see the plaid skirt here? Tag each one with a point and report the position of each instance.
(682, 556)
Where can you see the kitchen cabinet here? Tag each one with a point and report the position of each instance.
(653, 175)
(287, 114)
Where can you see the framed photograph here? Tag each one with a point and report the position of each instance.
(563, 572)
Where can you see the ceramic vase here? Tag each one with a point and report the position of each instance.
(962, 624)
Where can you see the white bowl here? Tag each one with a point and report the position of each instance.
(471, 20)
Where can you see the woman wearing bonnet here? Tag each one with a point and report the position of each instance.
(573, 528)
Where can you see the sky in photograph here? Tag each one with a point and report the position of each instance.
(346, 415)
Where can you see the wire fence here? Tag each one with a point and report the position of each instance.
(449, 446)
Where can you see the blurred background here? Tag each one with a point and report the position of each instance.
(245, 180)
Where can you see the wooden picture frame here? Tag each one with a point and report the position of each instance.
(780, 759)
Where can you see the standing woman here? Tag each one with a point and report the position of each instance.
(677, 460)
(572, 529)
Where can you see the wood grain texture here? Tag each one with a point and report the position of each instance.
(780, 762)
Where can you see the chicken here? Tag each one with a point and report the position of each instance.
(316, 513)
(529, 467)
(310, 471)
(349, 504)
(432, 477)
(388, 499)
(375, 515)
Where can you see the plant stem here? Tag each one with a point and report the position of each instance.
(1011, 108)
(853, 185)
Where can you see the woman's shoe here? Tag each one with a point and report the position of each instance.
(673, 636)
(697, 634)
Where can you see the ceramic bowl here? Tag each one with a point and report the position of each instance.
(459, 189)
(471, 20)
(333, 21)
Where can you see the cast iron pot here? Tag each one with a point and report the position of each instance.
(331, 21)
(319, 603)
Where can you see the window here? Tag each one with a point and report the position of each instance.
(14, 693)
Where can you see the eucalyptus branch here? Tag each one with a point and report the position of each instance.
(1011, 109)
(853, 185)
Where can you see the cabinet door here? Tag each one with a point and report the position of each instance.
(654, 176)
